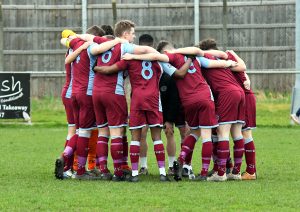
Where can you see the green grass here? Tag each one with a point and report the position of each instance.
(28, 154)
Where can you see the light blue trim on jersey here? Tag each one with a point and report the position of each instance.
(227, 122)
(168, 68)
(90, 128)
(248, 140)
(102, 125)
(69, 90)
(204, 127)
(206, 140)
(127, 48)
(204, 62)
(240, 121)
(120, 84)
(93, 59)
(137, 127)
(155, 125)
(159, 97)
(248, 128)
(118, 126)
(238, 138)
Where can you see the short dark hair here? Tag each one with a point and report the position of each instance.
(107, 29)
(95, 30)
(146, 40)
(123, 26)
(207, 44)
(162, 45)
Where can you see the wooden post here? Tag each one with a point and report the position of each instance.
(225, 30)
(1, 39)
(114, 9)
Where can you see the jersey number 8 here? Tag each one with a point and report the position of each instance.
(147, 67)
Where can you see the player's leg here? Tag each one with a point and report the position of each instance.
(135, 153)
(171, 145)
(223, 131)
(92, 151)
(103, 137)
(159, 151)
(116, 113)
(250, 173)
(250, 114)
(143, 151)
(86, 125)
(125, 166)
(238, 151)
(155, 122)
(64, 163)
(137, 121)
(236, 133)
(214, 138)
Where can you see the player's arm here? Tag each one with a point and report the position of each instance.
(177, 73)
(71, 57)
(143, 49)
(189, 51)
(113, 69)
(180, 73)
(86, 37)
(207, 63)
(65, 42)
(105, 46)
(247, 82)
(150, 57)
(217, 53)
(241, 66)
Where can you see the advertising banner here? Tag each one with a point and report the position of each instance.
(14, 95)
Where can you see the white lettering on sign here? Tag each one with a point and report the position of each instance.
(13, 88)
(14, 107)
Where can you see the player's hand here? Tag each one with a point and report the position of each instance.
(247, 84)
(187, 129)
(230, 63)
(168, 126)
(128, 56)
(99, 69)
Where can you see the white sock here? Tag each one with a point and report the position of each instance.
(143, 162)
(186, 166)
(135, 173)
(171, 160)
(162, 171)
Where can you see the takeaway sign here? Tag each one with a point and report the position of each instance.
(14, 95)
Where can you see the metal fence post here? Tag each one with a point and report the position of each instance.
(1, 39)
(295, 104)
(84, 15)
(196, 21)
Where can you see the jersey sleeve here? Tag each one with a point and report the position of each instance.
(122, 64)
(168, 68)
(98, 39)
(172, 57)
(127, 48)
(204, 62)
(73, 42)
(90, 48)
(231, 57)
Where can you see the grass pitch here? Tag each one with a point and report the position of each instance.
(28, 153)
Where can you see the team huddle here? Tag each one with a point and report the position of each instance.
(201, 90)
